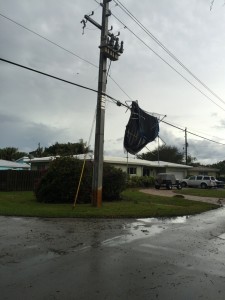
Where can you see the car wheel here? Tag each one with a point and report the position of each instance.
(184, 184)
(169, 186)
(157, 187)
(179, 187)
(203, 185)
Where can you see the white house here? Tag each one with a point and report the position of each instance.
(131, 165)
(11, 165)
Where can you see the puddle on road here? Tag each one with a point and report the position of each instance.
(174, 220)
(143, 228)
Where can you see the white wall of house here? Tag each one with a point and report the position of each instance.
(179, 173)
(136, 167)
(136, 170)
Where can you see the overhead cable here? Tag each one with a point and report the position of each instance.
(124, 9)
(48, 40)
(197, 135)
(168, 63)
(119, 103)
(61, 47)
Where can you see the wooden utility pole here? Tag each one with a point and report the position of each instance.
(109, 48)
(100, 116)
(186, 145)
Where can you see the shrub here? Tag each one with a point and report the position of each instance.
(140, 181)
(114, 182)
(59, 184)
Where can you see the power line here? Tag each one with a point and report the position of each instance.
(124, 9)
(90, 63)
(48, 40)
(119, 103)
(201, 132)
(197, 135)
(168, 63)
(119, 87)
(61, 47)
(84, 87)
(139, 23)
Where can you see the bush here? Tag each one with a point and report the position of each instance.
(59, 184)
(140, 181)
(114, 182)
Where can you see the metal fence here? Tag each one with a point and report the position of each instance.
(14, 180)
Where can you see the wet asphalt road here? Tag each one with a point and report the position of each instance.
(181, 258)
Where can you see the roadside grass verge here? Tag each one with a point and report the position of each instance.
(214, 193)
(134, 204)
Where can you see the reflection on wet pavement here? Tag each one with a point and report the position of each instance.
(143, 228)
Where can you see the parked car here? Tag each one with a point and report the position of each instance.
(219, 183)
(202, 181)
(167, 180)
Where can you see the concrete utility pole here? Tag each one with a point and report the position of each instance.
(109, 48)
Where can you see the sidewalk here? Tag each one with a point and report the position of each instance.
(172, 193)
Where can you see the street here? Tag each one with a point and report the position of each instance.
(177, 258)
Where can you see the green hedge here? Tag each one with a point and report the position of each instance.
(140, 181)
(59, 184)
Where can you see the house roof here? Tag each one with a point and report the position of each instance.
(43, 159)
(202, 168)
(120, 160)
(6, 164)
(142, 162)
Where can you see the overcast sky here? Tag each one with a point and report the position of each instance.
(36, 109)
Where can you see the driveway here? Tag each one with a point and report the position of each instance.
(172, 193)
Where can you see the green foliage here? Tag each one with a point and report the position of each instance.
(140, 181)
(62, 149)
(114, 182)
(11, 153)
(219, 165)
(165, 153)
(59, 184)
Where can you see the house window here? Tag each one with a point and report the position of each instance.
(132, 171)
(146, 172)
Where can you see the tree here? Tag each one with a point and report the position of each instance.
(220, 165)
(192, 161)
(39, 152)
(62, 149)
(11, 153)
(164, 153)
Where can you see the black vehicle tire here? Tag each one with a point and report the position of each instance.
(169, 186)
(157, 187)
(183, 184)
(179, 187)
(203, 185)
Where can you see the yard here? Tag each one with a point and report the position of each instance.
(134, 204)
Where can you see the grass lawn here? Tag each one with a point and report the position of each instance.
(133, 205)
(215, 193)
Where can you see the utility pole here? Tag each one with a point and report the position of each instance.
(186, 145)
(109, 48)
